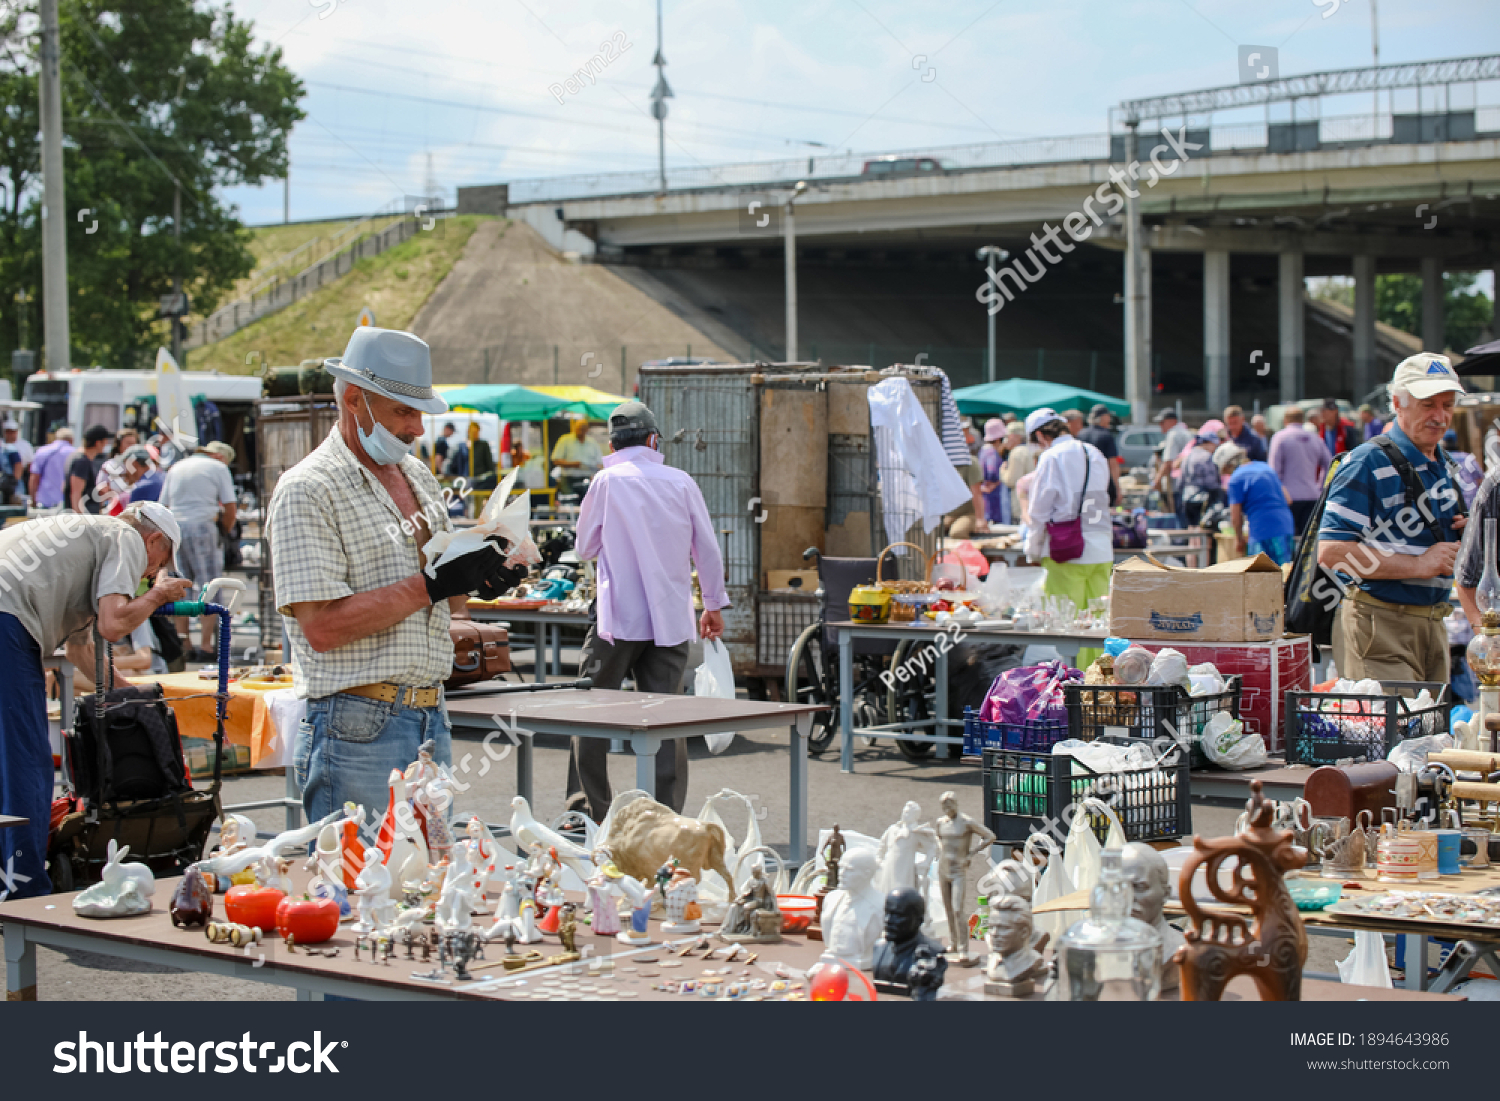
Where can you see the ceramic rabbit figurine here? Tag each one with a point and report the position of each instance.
(123, 890)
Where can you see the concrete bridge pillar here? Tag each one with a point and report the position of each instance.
(1364, 325)
(1292, 317)
(1216, 329)
(1432, 304)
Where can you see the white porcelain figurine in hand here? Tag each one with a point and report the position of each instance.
(372, 894)
(123, 890)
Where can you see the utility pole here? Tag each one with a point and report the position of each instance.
(54, 202)
(1375, 50)
(990, 255)
(286, 195)
(177, 279)
(789, 239)
(659, 96)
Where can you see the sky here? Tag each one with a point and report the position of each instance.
(404, 96)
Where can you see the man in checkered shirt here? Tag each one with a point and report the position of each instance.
(369, 629)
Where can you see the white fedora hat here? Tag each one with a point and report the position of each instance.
(396, 364)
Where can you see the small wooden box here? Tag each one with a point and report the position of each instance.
(1342, 791)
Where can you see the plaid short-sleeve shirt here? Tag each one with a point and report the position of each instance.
(335, 532)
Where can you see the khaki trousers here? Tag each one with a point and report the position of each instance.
(1386, 644)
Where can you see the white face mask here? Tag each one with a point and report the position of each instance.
(384, 447)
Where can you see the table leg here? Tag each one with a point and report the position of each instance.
(539, 652)
(1416, 961)
(556, 629)
(524, 766)
(645, 747)
(294, 799)
(309, 995)
(846, 701)
(798, 802)
(20, 965)
(940, 671)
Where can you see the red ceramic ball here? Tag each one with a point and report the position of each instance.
(830, 984)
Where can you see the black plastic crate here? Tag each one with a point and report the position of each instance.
(1029, 792)
(981, 734)
(1148, 711)
(1323, 727)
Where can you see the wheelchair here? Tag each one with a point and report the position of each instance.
(812, 667)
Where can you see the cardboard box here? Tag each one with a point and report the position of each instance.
(805, 581)
(1239, 601)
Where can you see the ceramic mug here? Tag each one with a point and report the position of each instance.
(1427, 842)
(1400, 855)
(1449, 841)
(1479, 837)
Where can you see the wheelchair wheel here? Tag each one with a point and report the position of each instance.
(906, 703)
(806, 682)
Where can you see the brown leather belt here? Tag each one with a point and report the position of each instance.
(1421, 611)
(399, 694)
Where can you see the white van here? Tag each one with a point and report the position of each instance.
(118, 399)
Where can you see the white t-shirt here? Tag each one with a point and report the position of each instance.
(195, 488)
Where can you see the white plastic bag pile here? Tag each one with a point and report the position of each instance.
(1363, 720)
(1227, 744)
(1411, 754)
(1139, 790)
(511, 522)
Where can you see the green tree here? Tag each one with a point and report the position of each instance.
(158, 95)
(1466, 312)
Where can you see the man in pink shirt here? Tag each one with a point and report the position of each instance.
(643, 521)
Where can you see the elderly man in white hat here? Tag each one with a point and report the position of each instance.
(368, 628)
(59, 575)
(1392, 522)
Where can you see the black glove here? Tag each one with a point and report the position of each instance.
(501, 581)
(462, 575)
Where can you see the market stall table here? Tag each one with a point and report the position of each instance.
(1068, 643)
(645, 721)
(1218, 788)
(1197, 547)
(151, 938)
(545, 626)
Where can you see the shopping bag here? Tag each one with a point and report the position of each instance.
(1081, 856)
(715, 678)
(1051, 884)
(1365, 966)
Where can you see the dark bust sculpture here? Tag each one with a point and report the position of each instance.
(896, 950)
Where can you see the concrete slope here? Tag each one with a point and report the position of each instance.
(512, 310)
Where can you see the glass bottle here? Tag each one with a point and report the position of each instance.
(1109, 956)
(1483, 652)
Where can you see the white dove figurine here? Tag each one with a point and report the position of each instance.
(525, 829)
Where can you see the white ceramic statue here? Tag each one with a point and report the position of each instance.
(852, 915)
(123, 890)
(455, 904)
(291, 843)
(900, 845)
(372, 894)
(527, 831)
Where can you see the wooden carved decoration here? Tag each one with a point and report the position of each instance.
(1271, 945)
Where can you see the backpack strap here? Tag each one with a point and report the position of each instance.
(1415, 491)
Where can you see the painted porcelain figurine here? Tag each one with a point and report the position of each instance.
(224, 865)
(123, 890)
(640, 911)
(852, 914)
(604, 896)
(455, 904)
(683, 911)
(431, 788)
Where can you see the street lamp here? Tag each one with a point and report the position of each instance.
(789, 239)
(989, 256)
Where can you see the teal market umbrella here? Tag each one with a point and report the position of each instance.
(508, 401)
(1026, 395)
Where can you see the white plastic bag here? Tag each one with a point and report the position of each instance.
(1410, 755)
(1081, 858)
(1227, 744)
(1168, 667)
(1051, 885)
(1365, 966)
(715, 678)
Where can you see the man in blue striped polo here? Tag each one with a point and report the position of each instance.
(1398, 541)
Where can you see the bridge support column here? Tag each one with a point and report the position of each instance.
(1364, 326)
(1216, 330)
(1137, 315)
(1292, 318)
(1433, 321)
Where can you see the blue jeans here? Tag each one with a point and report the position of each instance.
(348, 745)
(25, 763)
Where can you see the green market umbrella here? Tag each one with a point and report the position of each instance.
(509, 401)
(1026, 395)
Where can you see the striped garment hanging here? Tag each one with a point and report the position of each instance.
(952, 433)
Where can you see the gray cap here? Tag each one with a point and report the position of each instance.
(632, 416)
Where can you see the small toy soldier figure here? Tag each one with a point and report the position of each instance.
(831, 853)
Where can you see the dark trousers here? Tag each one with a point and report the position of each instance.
(1301, 513)
(25, 763)
(654, 669)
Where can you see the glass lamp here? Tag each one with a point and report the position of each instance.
(1109, 956)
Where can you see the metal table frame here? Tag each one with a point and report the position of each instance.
(1067, 643)
(645, 745)
(546, 627)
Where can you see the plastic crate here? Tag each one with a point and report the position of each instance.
(1029, 792)
(1158, 711)
(1324, 727)
(980, 734)
(781, 618)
